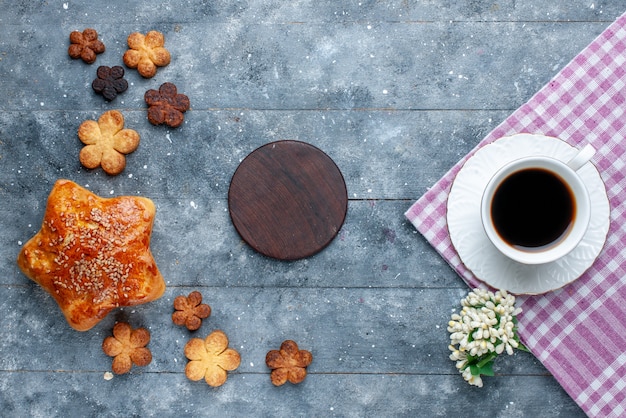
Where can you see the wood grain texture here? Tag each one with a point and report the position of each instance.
(393, 92)
(287, 200)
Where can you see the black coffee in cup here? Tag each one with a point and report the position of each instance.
(532, 208)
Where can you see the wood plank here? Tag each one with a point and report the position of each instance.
(348, 330)
(412, 149)
(308, 11)
(345, 395)
(390, 65)
(376, 247)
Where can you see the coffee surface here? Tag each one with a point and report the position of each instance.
(532, 208)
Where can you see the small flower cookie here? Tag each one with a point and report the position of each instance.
(288, 363)
(210, 359)
(146, 53)
(190, 311)
(107, 142)
(85, 45)
(127, 346)
(166, 106)
(109, 82)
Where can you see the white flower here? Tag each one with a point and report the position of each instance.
(471, 379)
(484, 326)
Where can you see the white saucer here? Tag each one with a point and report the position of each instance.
(481, 256)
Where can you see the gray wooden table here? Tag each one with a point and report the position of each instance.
(394, 91)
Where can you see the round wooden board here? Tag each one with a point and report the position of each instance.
(288, 200)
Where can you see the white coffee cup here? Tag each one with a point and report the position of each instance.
(536, 209)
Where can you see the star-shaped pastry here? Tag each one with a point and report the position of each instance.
(92, 254)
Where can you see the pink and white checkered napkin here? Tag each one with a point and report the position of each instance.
(578, 332)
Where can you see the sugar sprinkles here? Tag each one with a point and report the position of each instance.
(98, 239)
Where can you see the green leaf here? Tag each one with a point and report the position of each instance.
(475, 370)
(487, 369)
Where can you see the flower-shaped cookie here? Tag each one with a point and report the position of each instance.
(288, 363)
(109, 81)
(190, 311)
(106, 142)
(127, 346)
(166, 105)
(85, 45)
(210, 359)
(146, 53)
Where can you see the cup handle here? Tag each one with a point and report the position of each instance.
(582, 157)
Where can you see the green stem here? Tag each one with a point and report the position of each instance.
(488, 357)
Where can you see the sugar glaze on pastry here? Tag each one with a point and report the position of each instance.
(92, 254)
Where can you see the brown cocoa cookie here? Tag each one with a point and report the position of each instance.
(288, 364)
(109, 82)
(190, 311)
(166, 105)
(85, 45)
